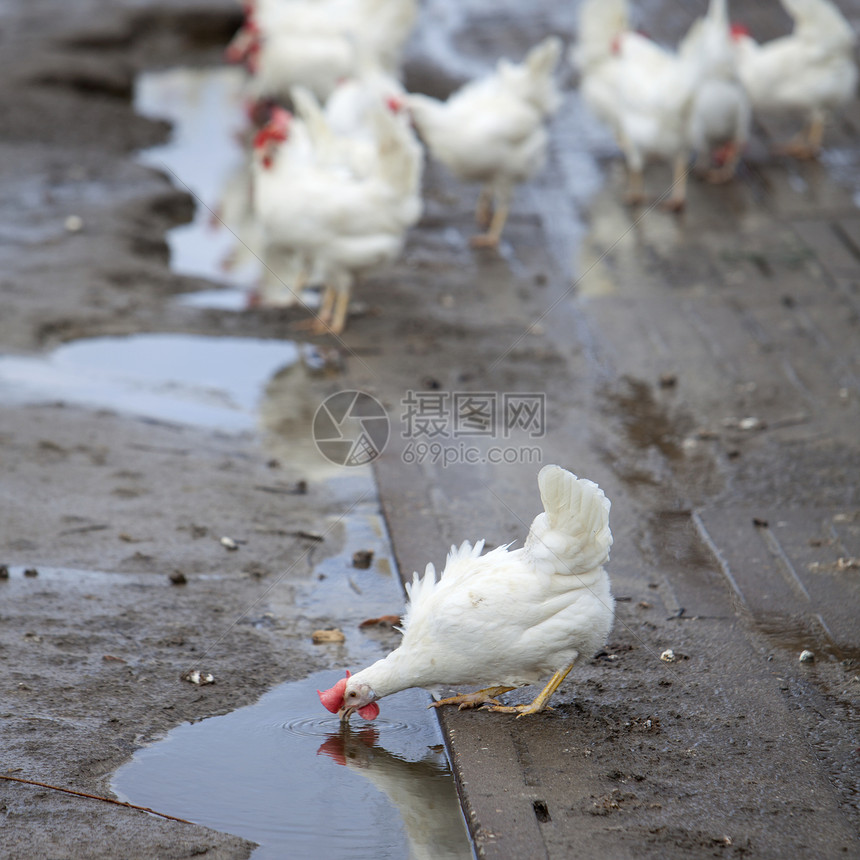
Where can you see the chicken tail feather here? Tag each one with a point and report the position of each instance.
(572, 536)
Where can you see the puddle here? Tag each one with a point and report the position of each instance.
(210, 382)
(205, 157)
(68, 580)
(284, 773)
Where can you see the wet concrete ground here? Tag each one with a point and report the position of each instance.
(704, 370)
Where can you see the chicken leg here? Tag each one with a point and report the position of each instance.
(319, 324)
(473, 700)
(635, 194)
(540, 701)
(490, 239)
(484, 208)
(677, 200)
(338, 323)
(806, 144)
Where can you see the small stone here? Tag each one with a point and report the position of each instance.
(668, 656)
(229, 543)
(322, 637)
(644, 604)
(751, 423)
(806, 656)
(74, 224)
(362, 559)
(4, 572)
(668, 380)
(31, 572)
(178, 578)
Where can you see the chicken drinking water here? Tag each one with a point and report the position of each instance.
(505, 619)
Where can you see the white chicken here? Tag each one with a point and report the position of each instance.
(313, 204)
(316, 43)
(720, 113)
(811, 71)
(345, 133)
(494, 131)
(505, 619)
(641, 90)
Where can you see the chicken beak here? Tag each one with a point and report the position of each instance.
(345, 713)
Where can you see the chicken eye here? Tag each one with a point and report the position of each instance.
(352, 694)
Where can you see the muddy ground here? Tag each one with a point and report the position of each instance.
(678, 332)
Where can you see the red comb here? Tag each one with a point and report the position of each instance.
(332, 698)
(394, 104)
(738, 30)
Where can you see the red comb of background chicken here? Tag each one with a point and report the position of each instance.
(738, 30)
(394, 104)
(332, 700)
(276, 129)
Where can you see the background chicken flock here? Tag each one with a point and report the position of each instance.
(333, 179)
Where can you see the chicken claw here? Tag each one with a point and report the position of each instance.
(473, 700)
(519, 710)
(540, 702)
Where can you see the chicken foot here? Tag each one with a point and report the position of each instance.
(540, 702)
(806, 144)
(490, 239)
(473, 700)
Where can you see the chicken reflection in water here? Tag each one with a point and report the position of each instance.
(420, 790)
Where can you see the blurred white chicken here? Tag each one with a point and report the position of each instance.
(346, 131)
(505, 619)
(718, 124)
(316, 43)
(811, 71)
(314, 204)
(641, 90)
(494, 131)
(661, 104)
